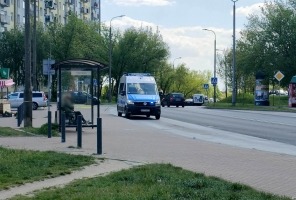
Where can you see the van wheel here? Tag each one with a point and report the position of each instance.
(119, 114)
(183, 106)
(34, 106)
(168, 105)
(157, 116)
(127, 115)
(147, 115)
(177, 106)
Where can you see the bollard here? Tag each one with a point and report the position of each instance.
(55, 117)
(79, 131)
(63, 127)
(18, 116)
(99, 136)
(49, 124)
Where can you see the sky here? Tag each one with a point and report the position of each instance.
(180, 22)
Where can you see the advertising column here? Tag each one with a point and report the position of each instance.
(292, 92)
(261, 90)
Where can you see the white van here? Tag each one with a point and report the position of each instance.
(138, 95)
(198, 99)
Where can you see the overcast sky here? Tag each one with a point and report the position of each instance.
(180, 22)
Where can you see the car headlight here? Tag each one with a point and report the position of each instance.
(157, 102)
(130, 102)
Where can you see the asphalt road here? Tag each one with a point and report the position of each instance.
(274, 126)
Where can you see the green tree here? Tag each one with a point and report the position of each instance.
(12, 53)
(138, 50)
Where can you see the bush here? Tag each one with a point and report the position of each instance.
(54, 129)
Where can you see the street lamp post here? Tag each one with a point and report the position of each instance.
(215, 50)
(174, 61)
(233, 58)
(110, 58)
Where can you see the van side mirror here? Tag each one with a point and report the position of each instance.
(123, 93)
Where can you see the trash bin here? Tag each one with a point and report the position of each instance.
(261, 95)
(292, 92)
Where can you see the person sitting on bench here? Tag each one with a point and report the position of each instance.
(68, 108)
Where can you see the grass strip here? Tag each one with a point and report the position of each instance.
(22, 166)
(240, 106)
(155, 181)
(42, 131)
(8, 132)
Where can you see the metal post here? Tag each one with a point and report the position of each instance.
(63, 125)
(100, 17)
(215, 51)
(233, 59)
(279, 93)
(49, 124)
(110, 58)
(60, 95)
(48, 83)
(79, 131)
(34, 80)
(28, 116)
(215, 54)
(174, 61)
(99, 136)
(92, 96)
(110, 63)
(55, 117)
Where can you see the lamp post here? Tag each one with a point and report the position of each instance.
(215, 49)
(174, 61)
(233, 58)
(110, 58)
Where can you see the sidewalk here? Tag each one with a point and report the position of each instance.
(126, 141)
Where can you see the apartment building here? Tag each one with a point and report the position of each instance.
(12, 12)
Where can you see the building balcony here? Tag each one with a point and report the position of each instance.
(4, 19)
(5, 3)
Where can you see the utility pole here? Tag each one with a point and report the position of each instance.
(28, 90)
(34, 71)
(233, 59)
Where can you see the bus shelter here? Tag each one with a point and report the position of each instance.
(76, 79)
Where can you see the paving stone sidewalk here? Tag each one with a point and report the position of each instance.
(126, 140)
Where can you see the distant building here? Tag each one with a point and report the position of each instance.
(12, 12)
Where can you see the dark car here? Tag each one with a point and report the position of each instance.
(173, 99)
(83, 98)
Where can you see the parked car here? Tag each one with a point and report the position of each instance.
(173, 99)
(38, 99)
(83, 97)
(189, 102)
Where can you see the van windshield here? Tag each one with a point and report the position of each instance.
(142, 88)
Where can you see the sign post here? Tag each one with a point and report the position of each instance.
(49, 72)
(279, 76)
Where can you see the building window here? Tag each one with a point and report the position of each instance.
(23, 4)
(18, 19)
(11, 16)
(18, 3)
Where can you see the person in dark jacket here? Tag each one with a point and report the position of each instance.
(68, 108)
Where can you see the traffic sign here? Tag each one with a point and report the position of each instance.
(95, 82)
(214, 80)
(279, 76)
(47, 66)
(206, 86)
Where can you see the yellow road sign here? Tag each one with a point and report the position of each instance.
(279, 76)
